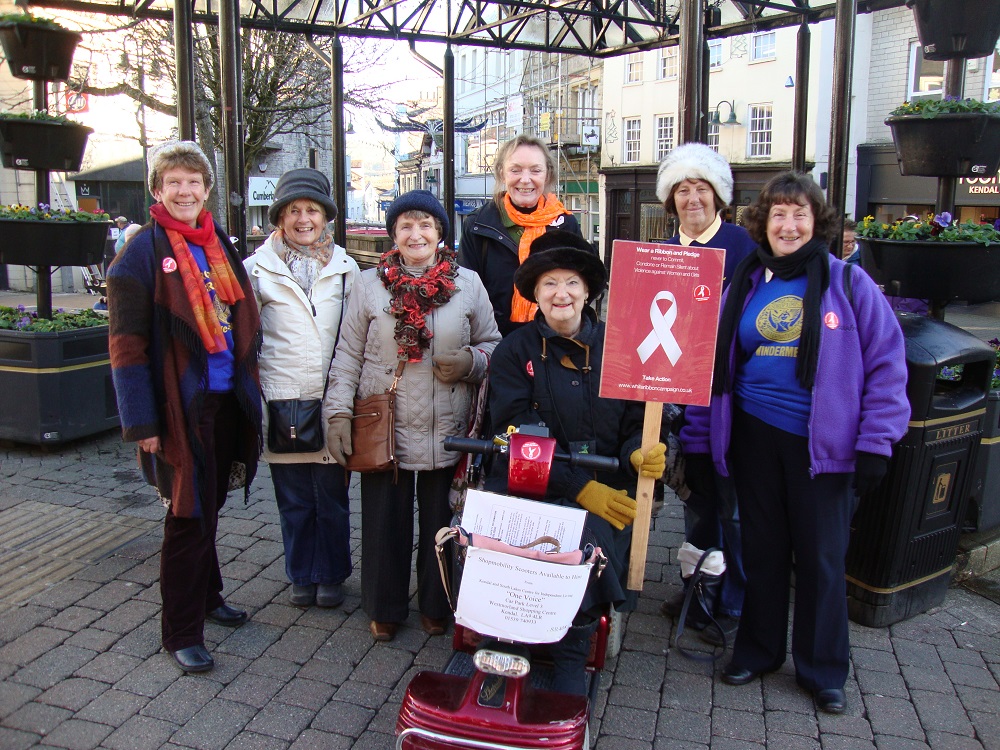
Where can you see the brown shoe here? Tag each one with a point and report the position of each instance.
(382, 631)
(433, 626)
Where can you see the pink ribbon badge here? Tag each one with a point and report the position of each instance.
(660, 336)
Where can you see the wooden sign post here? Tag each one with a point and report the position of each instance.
(663, 314)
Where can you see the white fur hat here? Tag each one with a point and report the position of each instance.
(694, 161)
(172, 149)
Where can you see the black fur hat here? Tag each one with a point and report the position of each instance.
(561, 249)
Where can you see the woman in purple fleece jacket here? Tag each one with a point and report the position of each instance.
(808, 397)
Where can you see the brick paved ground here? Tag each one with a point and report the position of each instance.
(81, 666)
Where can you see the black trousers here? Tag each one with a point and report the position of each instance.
(387, 542)
(790, 518)
(190, 580)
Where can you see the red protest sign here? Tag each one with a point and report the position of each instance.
(663, 315)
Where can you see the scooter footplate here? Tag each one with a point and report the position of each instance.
(461, 664)
(446, 705)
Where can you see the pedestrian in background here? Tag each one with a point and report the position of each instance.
(184, 336)
(301, 280)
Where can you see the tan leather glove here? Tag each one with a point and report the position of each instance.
(338, 438)
(450, 367)
(614, 506)
(652, 463)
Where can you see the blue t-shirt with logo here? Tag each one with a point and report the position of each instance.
(768, 338)
(221, 366)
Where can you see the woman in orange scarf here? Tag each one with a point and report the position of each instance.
(496, 237)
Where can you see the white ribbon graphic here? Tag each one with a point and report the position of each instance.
(661, 336)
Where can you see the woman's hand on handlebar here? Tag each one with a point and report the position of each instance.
(614, 506)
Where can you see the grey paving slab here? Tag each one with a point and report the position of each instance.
(81, 664)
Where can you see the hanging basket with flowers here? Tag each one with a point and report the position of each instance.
(44, 236)
(38, 140)
(933, 258)
(37, 49)
(956, 29)
(951, 137)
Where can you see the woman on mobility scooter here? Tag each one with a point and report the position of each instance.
(548, 373)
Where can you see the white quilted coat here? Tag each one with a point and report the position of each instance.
(427, 410)
(299, 331)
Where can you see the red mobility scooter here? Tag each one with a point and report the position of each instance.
(495, 693)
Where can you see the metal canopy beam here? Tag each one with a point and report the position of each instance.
(592, 28)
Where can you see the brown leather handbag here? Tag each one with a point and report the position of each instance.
(373, 430)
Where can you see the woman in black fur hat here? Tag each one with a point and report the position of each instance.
(548, 373)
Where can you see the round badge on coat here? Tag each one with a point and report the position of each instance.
(169, 265)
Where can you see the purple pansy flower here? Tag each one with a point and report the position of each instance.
(943, 218)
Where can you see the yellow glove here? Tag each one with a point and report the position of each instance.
(614, 506)
(652, 464)
(338, 438)
(450, 367)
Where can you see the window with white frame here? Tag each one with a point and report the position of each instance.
(666, 63)
(714, 54)
(633, 68)
(993, 77)
(926, 76)
(632, 140)
(762, 46)
(760, 130)
(664, 136)
(713, 137)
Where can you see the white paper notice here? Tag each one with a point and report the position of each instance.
(519, 599)
(518, 521)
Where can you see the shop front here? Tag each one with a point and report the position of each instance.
(884, 193)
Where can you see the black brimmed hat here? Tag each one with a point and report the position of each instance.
(566, 250)
(302, 184)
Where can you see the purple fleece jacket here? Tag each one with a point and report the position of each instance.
(859, 398)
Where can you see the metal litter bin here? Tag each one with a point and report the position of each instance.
(984, 507)
(904, 535)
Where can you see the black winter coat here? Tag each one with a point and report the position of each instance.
(556, 392)
(488, 249)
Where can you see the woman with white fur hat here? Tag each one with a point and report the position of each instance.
(696, 184)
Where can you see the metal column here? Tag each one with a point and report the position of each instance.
(184, 64)
(692, 47)
(233, 135)
(954, 86)
(802, 49)
(43, 274)
(843, 68)
(339, 141)
(449, 143)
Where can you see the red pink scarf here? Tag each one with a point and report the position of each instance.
(227, 288)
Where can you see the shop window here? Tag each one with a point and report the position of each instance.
(993, 77)
(632, 140)
(762, 47)
(926, 76)
(652, 222)
(664, 136)
(760, 130)
(666, 68)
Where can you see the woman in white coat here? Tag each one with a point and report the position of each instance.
(302, 281)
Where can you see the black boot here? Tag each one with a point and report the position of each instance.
(569, 659)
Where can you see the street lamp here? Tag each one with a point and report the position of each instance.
(731, 120)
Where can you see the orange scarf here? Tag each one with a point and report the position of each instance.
(224, 282)
(548, 210)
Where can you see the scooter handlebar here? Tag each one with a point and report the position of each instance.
(488, 447)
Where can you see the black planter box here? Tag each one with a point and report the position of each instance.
(52, 243)
(37, 53)
(956, 29)
(55, 387)
(955, 144)
(37, 144)
(938, 271)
